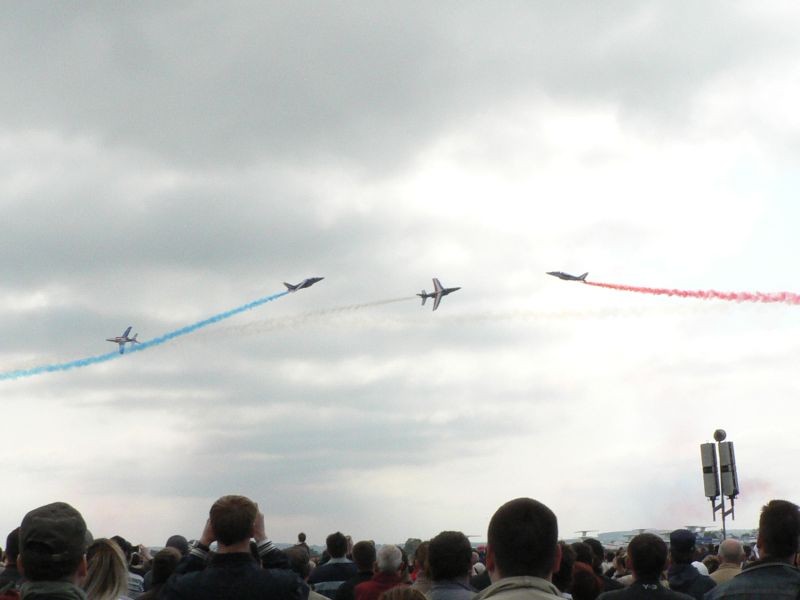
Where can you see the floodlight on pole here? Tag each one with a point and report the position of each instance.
(720, 481)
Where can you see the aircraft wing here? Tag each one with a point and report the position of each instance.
(436, 299)
(437, 287)
(127, 331)
(122, 348)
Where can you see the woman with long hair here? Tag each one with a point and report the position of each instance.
(107, 576)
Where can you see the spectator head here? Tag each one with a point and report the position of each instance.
(583, 553)
(12, 547)
(731, 551)
(421, 558)
(449, 556)
(402, 592)
(779, 530)
(179, 543)
(124, 545)
(107, 576)
(389, 559)
(364, 555)
(336, 544)
(681, 546)
(232, 519)
(164, 563)
(563, 577)
(647, 555)
(299, 561)
(404, 564)
(599, 553)
(301, 538)
(52, 543)
(585, 585)
(711, 563)
(522, 540)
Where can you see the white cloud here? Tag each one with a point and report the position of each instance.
(179, 161)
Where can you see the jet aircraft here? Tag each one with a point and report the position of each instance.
(438, 292)
(124, 339)
(303, 284)
(567, 276)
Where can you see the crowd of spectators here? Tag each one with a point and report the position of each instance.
(52, 556)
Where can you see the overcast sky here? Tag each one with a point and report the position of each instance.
(164, 162)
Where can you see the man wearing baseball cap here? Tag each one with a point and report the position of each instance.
(52, 553)
(682, 576)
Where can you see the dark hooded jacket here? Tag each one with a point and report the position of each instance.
(687, 579)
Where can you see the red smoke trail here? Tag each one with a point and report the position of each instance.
(784, 297)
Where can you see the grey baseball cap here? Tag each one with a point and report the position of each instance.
(55, 532)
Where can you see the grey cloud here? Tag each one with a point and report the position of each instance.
(296, 451)
(356, 84)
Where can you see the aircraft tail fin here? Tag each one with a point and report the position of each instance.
(424, 296)
(583, 277)
(290, 287)
(133, 339)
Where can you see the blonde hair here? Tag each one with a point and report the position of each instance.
(107, 577)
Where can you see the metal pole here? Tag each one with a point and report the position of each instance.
(722, 500)
(719, 436)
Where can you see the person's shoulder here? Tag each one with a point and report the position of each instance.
(673, 595)
(614, 594)
(706, 582)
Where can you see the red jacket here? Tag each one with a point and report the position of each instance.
(380, 582)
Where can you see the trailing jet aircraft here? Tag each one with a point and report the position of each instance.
(567, 276)
(124, 339)
(438, 292)
(303, 284)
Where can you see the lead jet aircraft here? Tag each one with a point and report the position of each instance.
(124, 339)
(438, 292)
(567, 276)
(303, 284)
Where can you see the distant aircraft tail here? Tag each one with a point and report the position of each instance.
(134, 340)
(290, 287)
(424, 296)
(583, 277)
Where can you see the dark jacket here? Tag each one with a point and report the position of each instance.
(10, 575)
(229, 576)
(451, 590)
(687, 579)
(51, 590)
(482, 581)
(759, 580)
(346, 591)
(327, 578)
(644, 590)
(609, 583)
(10, 581)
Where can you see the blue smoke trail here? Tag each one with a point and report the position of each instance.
(92, 360)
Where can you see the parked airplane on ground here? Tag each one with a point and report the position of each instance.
(438, 292)
(124, 339)
(303, 284)
(567, 276)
